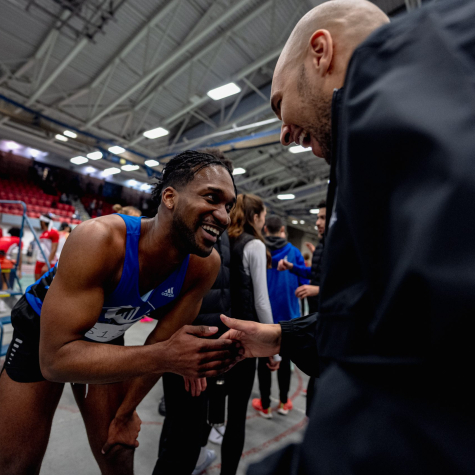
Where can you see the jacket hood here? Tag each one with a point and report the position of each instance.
(275, 242)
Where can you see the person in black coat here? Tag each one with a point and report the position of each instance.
(185, 429)
(393, 339)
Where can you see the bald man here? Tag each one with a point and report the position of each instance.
(392, 108)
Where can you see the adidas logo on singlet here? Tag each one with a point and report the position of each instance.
(168, 293)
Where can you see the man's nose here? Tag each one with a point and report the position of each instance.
(222, 216)
(286, 135)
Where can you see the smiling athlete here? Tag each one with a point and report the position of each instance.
(113, 271)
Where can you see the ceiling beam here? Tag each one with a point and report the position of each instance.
(171, 58)
(124, 50)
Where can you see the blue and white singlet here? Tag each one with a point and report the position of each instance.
(124, 306)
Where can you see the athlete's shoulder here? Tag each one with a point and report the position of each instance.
(106, 235)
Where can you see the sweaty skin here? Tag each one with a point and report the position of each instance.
(90, 268)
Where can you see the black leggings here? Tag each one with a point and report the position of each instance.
(185, 429)
(265, 380)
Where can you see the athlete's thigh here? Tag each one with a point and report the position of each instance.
(26, 415)
(98, 404)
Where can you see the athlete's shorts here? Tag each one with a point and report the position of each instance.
(39, 267)
(22, 362)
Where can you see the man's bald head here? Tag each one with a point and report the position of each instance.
(313, 63)
(349, 22)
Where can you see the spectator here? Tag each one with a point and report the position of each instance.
(285, 306)
(49, 240)
(64, 232)
(131, 211)
(9, 246)
(312, 290)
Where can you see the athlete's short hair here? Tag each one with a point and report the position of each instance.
(181, 170)
(218, 154)
(274, 224)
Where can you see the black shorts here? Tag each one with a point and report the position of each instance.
(22, 362)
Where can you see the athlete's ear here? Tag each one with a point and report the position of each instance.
(168, 197)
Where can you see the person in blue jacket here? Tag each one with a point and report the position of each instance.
(285, 306)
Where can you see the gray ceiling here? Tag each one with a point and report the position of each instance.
(114, 68)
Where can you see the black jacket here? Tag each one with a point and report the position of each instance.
(242, 291)
(218, 300)
(394, 336)
(313, 302)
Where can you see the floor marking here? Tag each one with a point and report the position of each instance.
(296, 427)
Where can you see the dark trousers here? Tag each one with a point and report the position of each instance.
(265, 380)
(185, 429)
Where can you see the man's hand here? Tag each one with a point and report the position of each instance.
(195, 386)
(123, 430)
(310, 247)
(284, 265)
(273, 365)
(307, 291)
(190, 355)
(44, 269)
(257, 339)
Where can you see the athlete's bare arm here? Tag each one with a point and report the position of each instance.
(199, 279)
(91, 265)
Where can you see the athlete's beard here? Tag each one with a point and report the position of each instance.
(188, 235)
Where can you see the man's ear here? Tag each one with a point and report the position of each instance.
(282, 230)
(321, 47)
(168, 197)
(266, 230)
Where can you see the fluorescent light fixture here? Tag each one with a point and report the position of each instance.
(11, 145)
(145, 187)
(239, 171)
(91, 169)
(130, 168)
(294, 221)
(151, 163)
(302, 221)
(94, 155)
(299, 149)
(68, 133)
(155, 133)
(287, 196)
(111, 171)
(224, 91)
(34, 153)
(61, 138)
(132, 182)
(79, 160)
(116, 150)
(314, 211)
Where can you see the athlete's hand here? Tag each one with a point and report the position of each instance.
(44, 269)
(257, 339)
(191, 355)
(284, 265)
(195, 386)
(123, 430)
(307, 291)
